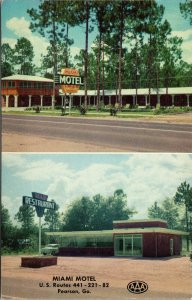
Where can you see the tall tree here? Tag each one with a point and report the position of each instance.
(23, 56)
(168, 211)
(52, 218)
(102, 10)
(49, 22)
(6, 60)
(97, 213)
(186, 10)
(78, 215)
(6, 225)
(25, 216)
(183, 197)
(157, 31)
(170, 56)
(63, 58)
(82, 15)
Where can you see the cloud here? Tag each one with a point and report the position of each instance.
(12, 42)
(42, 170)
(20, 27)
(13, 160)
(186, 35)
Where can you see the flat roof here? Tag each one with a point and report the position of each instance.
(117, 231)
(132, 92)
(139, 220)
(27, 78)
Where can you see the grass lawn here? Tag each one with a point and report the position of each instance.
(76, 113)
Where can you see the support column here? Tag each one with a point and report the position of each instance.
(109, 100)
(188, 100)
(62, 101)
(52, 102)
(89, 100)
(16, 101)
(145, 100)
(172, 96)
(158, 100)
(41, 100)
(30, 100)
(133, 99)
(7, 101)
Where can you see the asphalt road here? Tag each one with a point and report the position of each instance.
(118, 134)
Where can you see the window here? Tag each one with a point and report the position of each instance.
(4, 84)
(11, 84)
(25, 84)
(87, 241)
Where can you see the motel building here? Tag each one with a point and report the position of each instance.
(134, 238)
(20, 92)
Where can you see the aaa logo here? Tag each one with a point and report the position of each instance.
(137, 287)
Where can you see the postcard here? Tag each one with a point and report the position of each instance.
(96, 104)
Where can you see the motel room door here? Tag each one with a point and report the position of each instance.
(128, 245)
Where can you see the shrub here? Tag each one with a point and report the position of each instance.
(37, 109)
(101, 105)
(82, 110)
(113, 111)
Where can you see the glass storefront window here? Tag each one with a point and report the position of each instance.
(87, 241)
(128, 245)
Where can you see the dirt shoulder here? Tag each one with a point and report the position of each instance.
(12, 142)
(185, 118)
(167, 278)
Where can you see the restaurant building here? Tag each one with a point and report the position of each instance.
(140, 238)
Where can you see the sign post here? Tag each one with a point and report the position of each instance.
(39, 235)
(40, 202)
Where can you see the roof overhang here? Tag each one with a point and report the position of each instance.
(117, 231)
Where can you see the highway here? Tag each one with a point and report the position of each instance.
(122, 135)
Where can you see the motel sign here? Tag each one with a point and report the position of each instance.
(69, 80)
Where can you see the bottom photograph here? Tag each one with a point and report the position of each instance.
(93, 226)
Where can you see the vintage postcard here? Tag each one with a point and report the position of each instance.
(96, 102)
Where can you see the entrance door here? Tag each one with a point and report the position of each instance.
(128, 245)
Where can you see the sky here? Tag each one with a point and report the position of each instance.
(16, 21)
(145, 178)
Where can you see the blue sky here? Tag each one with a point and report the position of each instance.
(15, 23)
(145, 178)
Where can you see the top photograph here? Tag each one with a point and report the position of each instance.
(96, 76)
